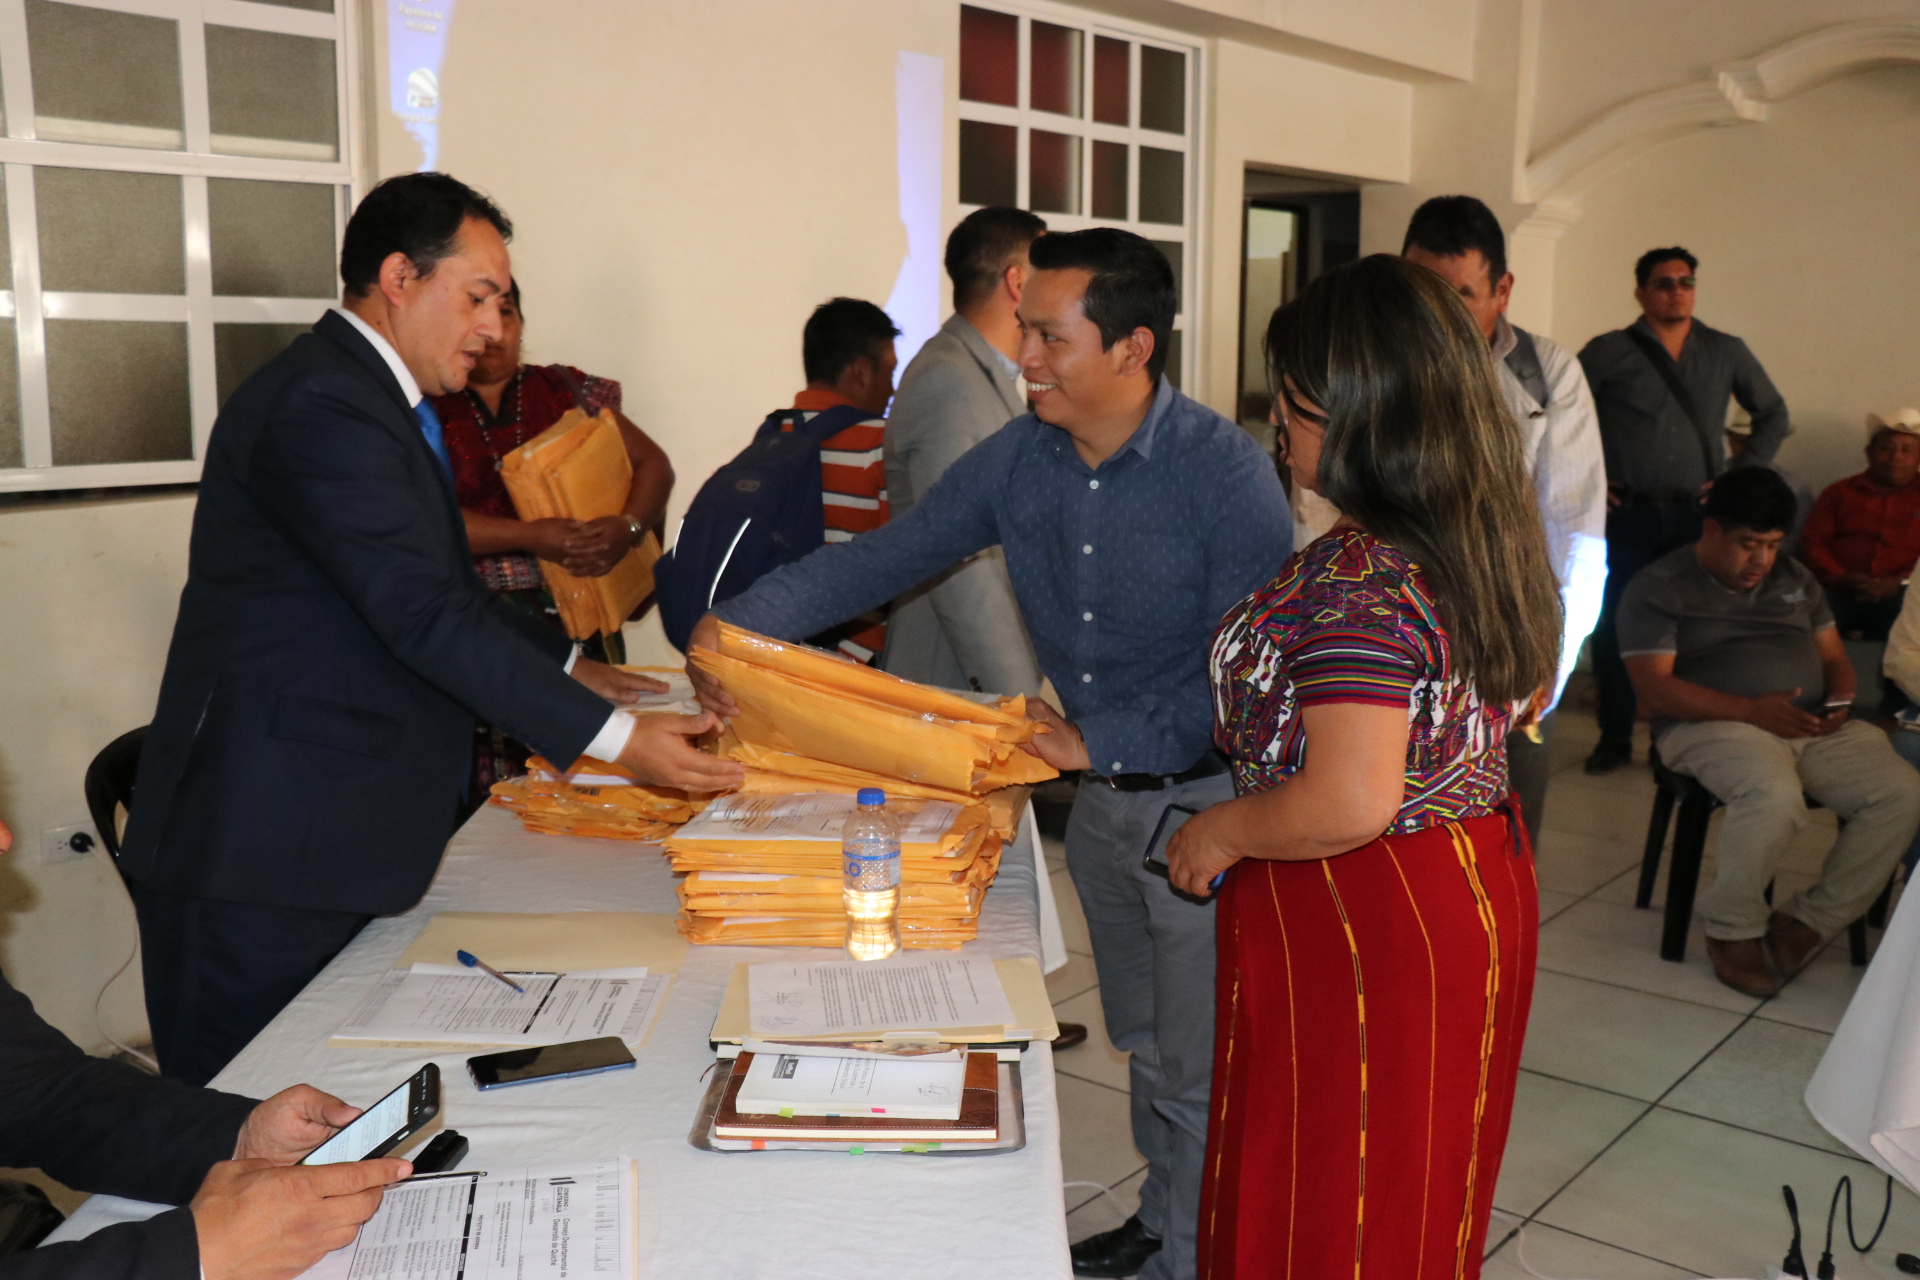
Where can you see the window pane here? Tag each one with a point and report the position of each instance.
(104, 77)
(118, 391)
(271, 239)
(1163, 90)
(6, 252)
(1176, 252)
(271, 94)
(988, 163)
(239, 349)
(1162, 185)
(1111, 80)
(1110, 180)
(104, 232)
(1056, 74)
(1173, 359)
(10, 450)
(989, 56)
(1053, 172)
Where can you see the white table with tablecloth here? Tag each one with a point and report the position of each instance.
(712, 1215)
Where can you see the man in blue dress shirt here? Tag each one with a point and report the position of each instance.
(1132, 518)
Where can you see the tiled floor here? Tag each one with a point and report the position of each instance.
(1658, 1112)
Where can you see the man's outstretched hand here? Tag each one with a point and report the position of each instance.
(291, 1123)
(616, 686)
(712, 694)
(259, 1221)
(660, 750)
(1060, 744)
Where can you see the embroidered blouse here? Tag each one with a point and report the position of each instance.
(1351, 619)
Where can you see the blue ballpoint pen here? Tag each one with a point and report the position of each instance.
(473, 961)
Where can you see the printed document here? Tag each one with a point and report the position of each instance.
(863, 997)
(451, 1004)
(523, 1224)
(810, 817)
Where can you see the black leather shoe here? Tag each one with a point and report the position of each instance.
(1116, 1253)
(1072, 1036)
(1609, 756)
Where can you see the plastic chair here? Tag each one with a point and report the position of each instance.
(1696, 805)
(109, 784)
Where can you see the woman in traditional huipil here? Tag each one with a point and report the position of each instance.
(505, 404)
(1377, 923)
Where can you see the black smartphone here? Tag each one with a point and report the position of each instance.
(1172, 818)
(386, 1124)
(1836, 706)
(549, 1062)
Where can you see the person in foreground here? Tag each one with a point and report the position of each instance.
(106, 1127)
(1732, 648)
(315, 726)
(1378, 918)
(1132, 517)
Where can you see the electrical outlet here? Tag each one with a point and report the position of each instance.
(74, 843)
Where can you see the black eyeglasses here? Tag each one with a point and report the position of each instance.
(1667, 284)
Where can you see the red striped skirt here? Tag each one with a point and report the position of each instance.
(1371, 1012)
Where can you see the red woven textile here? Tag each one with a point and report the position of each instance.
(1371, 1012)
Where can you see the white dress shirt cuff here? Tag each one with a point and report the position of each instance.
(612, 738)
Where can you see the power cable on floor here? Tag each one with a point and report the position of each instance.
(145, 1059)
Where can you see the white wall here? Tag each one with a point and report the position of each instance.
(1809, 249)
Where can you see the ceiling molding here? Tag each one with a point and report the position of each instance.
(1734, 93)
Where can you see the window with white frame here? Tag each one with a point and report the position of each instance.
(177, 173)
(1087, 123)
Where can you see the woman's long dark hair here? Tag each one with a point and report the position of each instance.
(1422, 452)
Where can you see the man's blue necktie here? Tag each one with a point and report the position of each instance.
(436, 435)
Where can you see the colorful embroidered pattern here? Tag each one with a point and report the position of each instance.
(1350, 619)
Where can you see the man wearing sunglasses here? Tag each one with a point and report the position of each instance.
(1661, 387)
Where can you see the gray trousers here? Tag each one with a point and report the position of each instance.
(1760, 778)
(1154, 953)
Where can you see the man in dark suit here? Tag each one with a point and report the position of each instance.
(105, 1127)
(306, 764)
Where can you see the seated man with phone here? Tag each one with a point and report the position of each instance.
(251, 1213)
(1733, 651)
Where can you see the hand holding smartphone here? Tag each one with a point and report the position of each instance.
(386, 1124)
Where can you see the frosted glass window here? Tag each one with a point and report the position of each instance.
(105, 232)
(10, 449)
(240, 349)
(272, 239)
(1162, 185)
(989, 56)
(989, 165)
(1053, 172)
(1175, 252)
(118, 391)
(270, 94)
(1110, 180)
(1163, 90)
(102, 77)
(6, 244)
(1173, 359)
(1112, 80)
(1054, 58)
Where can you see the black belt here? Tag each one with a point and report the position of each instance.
(1658, 498)
(1210, 765)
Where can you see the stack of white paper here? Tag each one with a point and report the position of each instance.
(449, 1004)
(791, 1085)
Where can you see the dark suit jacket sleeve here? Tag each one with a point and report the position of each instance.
(162, 1248)
(103, 1126)
(336, 479)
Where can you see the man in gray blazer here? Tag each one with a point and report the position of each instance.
(962, 629)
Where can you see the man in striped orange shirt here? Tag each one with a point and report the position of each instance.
(847, 350)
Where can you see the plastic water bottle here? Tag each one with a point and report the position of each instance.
(870, 850)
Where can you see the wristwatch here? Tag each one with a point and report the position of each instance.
(636, 529)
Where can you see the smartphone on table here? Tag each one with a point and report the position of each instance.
(549, 1062)
(386, 1124)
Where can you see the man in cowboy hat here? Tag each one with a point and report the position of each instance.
(1863, 536)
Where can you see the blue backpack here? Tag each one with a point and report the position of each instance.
(754, 514)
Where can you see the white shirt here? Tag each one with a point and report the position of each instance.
(613, 735)
(1569, 478)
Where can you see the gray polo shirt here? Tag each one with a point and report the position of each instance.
(1650, 443)
(1747, 643)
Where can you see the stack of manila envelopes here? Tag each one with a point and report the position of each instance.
(578, 469)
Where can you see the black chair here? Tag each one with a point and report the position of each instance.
(109, 784)
(1696, 805)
